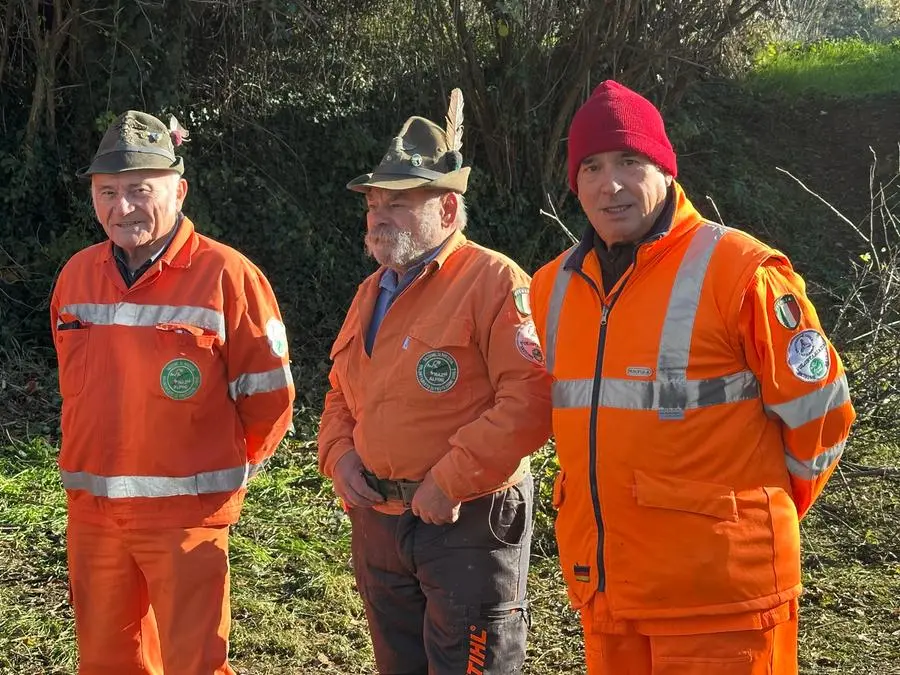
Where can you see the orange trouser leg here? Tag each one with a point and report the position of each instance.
(114, 623)
(188, 583)
(771, 651)
(607, 653)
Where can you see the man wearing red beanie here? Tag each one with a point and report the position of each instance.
(698, 411)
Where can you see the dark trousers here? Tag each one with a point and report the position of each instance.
(447, 599)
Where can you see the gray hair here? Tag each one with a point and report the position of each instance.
(462, 216)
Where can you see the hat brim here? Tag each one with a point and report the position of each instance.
(120, 162)
(455, 181)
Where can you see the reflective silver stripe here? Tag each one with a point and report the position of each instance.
(131, 314)
(650, 395)
(259, 383)
(805, 409)
(813, 468)
(123, 487)
(678, 326)
(554, 309)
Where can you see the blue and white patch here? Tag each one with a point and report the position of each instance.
(808, 357)
(277, 337)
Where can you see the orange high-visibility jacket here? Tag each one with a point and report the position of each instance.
(174, 390)
(455, 383)
(698, 410)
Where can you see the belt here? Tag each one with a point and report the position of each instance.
(398, 490)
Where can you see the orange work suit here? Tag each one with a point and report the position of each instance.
(454, 385)
(175, 392)
(698, 412)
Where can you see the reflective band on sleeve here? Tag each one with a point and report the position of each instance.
(811, 469)
(123, 487)
(650, 395)
(131, 314)
(554, 309)
(812, 406)
(259, 383)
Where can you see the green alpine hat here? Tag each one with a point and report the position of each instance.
(422, 155)
(136, 140)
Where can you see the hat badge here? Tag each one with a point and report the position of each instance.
(416, 160)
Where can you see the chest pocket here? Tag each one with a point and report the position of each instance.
(442, 359)
(188, 363)
(72, 350)
(341, 355)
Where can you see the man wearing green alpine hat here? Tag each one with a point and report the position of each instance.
(438, 395)
(173, 369)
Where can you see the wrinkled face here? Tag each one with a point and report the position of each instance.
(403, 225)
(138, 208)
(621, 193)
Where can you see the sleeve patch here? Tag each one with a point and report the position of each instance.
(808, 356)
(277, 337)
(787, 311)
(523, 301)
(528, 344)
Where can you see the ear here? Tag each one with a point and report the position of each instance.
(181, 191)
(449, 207)
(669, 180)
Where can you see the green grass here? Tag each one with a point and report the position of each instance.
(848, 68)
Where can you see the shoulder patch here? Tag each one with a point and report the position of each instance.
(522, 298)
(808, 357)
(277, 337)
(787, 311)
(528, 344)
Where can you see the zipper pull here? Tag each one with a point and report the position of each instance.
(604, 314)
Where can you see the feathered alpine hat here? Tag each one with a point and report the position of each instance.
(422, 155)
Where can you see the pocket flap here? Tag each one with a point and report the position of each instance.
(451, 332)
(344, 338)
(678, 494)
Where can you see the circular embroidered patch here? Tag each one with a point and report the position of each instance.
(180, 379)
(528, 344)
(277, 337)
(807, 356)
(437, 372)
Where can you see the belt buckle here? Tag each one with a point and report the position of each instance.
(407, 490)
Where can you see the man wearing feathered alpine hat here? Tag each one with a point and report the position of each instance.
(438, 395)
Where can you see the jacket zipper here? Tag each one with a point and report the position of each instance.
(595, 404)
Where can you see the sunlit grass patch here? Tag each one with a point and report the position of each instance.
(847, 68)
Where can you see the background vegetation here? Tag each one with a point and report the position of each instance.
(286, 101)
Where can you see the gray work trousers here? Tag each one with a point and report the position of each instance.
(447, 599)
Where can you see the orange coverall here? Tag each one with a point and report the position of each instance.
(698, 412)
(175, 391)
(473, 424)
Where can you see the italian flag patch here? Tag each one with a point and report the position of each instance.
(787, 311)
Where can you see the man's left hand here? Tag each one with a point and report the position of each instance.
(432, 505)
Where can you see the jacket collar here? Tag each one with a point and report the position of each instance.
(676, 219)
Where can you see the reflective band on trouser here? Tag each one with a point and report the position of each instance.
(809, 407)
(650, 395)
(131, 314)
(259, 383)
(811, 469)
(123, 487)
(557, 295)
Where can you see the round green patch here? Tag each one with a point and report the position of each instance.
(437, 372)
(180, 379)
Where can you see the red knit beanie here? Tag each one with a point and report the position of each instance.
(616, 118)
